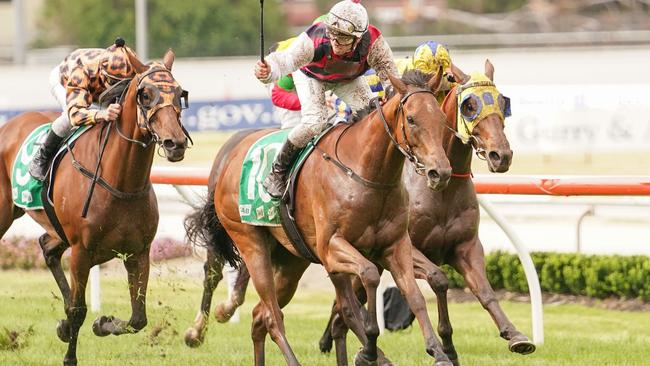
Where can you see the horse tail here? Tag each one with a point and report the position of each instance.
(204, 229)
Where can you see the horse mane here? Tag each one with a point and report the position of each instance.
(410, 77)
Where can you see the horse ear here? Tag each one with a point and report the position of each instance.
(168, 60)
(137, 65)
(459, 75)
(398, 84)
(489, 69)
(434, 83)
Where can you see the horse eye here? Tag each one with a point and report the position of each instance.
(410, 120)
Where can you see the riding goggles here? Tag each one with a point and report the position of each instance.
(341, 38)
(477, 99)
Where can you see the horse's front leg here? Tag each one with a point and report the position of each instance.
(342, 258)
(426, 270)
(469, 261)
(398, 260)
(76, 313)
(212, 276)
(137, 268)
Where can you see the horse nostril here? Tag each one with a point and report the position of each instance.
(169, 144)
(433, 175)
(494, 156)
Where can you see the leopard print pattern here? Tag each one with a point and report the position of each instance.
(84, 81)
(167, 86)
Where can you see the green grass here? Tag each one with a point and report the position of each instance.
(575, 335)
(208, 143)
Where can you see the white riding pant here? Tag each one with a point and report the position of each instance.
(61, 126)
(311, 92)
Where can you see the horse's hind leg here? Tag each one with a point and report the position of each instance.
(469, 261)
(287, 271)
(53, 249)
(225, 310)
(137, 268)
(212, 276)
(424, 269)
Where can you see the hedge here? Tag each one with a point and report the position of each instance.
(598, 276)
(24, 253)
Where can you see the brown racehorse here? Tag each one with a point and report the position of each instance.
(434, 214)
(444, 224)
(350, 221)
(119, 223)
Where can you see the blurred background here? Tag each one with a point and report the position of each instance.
(576, 71)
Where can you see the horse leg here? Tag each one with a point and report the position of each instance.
(76, 314)
(253, 246)
(225, 310)
(137, 268)
(341, 259)
(426, 270)
(469, 261)
(398, 259)
(287, 271)
(212, 276)
(53, 249)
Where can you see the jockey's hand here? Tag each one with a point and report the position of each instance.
(109, 114)
(262, 71)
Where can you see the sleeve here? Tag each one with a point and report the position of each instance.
(78, 99)
(381, 59)
(285, 99)
(299, 54)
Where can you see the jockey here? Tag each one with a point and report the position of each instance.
(76, 83)
(428, 58)
(331, 55)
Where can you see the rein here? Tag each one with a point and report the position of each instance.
(407, 151)
(102, 142)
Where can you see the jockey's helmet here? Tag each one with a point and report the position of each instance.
(347, 21)
(429, 56)
(115, 65)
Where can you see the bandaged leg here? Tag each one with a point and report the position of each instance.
(313, 119)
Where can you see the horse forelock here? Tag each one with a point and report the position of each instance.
(416, 78)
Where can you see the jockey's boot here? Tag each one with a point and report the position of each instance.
(39, 165)
(276, 182)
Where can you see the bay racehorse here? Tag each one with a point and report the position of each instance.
(434, 214)
(122, 217)
(351, 219)
(443, 225)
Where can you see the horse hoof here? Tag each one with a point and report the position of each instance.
(63, 331)
(382, 360)
(521, 345)
(192, 338)
(220, 314)
(325, 345)
(98, 328)
(72, 362)
(361, 360)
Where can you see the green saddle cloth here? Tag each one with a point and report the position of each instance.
(256, 206)
(25, 190)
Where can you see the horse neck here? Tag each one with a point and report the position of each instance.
(376, 158)
(127, 165)
(459, 154)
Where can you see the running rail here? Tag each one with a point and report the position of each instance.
(485, 184)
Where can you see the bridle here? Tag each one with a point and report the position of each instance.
(146, 111)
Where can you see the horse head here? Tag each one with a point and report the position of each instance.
(480, 113)
(155, 100)
(422, 123)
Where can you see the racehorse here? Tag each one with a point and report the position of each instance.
(452, 213)
(443, 225)
(351, 209)
(122, 216)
